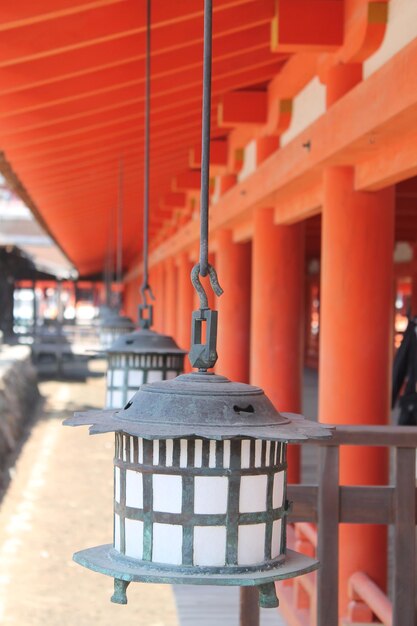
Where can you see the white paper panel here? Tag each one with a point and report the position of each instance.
(117, 484)
(156, 452)
(183, 452)
(167, 493)
(251, 544)
(169, 452)
(118, 378)
(276, 538)
(252, 497)
(210, 494)
(134, 538)
(117, 400)
(154, 376)
(134, 489)
(278, 490)
(135, 378)
(167, 544)
(171, 375)
(226, 453)
(116, 532)
(210, 546)
(258, 452)
(212, 454)
(267, 452)
(198, 453)
(245, 459)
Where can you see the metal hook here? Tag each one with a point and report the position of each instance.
(214, 282)
(146, 288)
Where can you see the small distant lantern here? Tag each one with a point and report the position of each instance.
(112, 326)
(134, 359)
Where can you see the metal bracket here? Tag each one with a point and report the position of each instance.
(203, 355)
(145, 316)
(145, 310)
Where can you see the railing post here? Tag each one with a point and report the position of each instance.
(249, 607)
(328, 537)
(404, 537)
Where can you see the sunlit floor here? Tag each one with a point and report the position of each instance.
(59, 501)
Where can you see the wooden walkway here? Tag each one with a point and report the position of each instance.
(215, 606)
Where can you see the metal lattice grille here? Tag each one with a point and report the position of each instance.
(201, 503)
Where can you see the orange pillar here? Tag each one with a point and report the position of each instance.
(233, 270)
(355, 345)
(277, 316)
(170, 298)
(356, 333)
(185, 300)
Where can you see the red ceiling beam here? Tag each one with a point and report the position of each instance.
(218, 154)
(187, 181)
(308, 25)
(241, 108)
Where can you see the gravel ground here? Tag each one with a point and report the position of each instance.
(60, 501)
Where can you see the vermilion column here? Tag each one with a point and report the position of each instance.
(233, 265)
(170, 298)
(356, 310)
(277, 316)
(355, 345)
(185, 301)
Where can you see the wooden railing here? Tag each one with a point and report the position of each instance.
(314, 599)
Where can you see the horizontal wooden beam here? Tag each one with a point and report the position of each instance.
(358, 505)
(241, 108)
(306, 26)
(186, 181)
(328, 141)
(218, 154)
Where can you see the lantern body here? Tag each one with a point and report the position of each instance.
(200, 487)
(138, 358)
(200, 503)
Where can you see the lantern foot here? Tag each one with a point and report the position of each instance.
(119, 596)
(268, 598)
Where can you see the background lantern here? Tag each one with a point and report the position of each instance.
(200, 462)
(137, 358)
(143, 356)
(112, 326)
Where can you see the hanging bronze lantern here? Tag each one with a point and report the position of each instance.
(200, 489)
(199, 481)
(143, 356)
(113, 326)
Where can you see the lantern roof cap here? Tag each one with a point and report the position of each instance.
(144, 341)
(201, 405)
(116, 320)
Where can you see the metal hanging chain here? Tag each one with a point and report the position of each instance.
(146, 322)
(205, 139)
